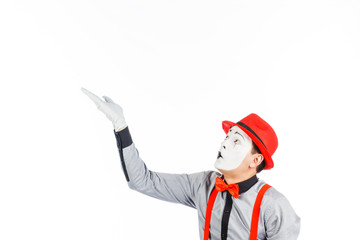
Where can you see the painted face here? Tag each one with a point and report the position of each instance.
(233, 150)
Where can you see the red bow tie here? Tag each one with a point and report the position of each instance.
(221, 186)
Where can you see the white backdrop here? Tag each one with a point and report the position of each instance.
(178, 68)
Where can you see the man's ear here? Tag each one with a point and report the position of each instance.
(256, 160)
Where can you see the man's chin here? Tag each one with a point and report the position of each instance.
(219, 166)
(222, 167)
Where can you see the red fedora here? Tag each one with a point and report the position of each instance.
(262, 134)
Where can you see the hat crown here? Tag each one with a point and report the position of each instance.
(263, 130)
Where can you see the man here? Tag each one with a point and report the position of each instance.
(232, 204)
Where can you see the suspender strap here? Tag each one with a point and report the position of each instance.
(256, 212)
(208, 213)
(254, 218)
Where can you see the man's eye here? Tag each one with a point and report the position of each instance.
(226, 137)
(236, 141)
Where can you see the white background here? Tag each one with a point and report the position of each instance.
(178, 68)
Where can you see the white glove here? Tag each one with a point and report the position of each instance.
(112, 111)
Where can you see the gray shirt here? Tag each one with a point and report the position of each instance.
(277, 220)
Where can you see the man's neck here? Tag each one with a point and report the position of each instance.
(230, 178)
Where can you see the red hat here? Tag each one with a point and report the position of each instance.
(262, 134)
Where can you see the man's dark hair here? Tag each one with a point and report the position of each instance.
(255, 150)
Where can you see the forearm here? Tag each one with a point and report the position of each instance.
(123, 140)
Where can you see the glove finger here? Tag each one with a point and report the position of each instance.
(107, 99)
(92, 96)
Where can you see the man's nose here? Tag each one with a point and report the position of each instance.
(225, 144)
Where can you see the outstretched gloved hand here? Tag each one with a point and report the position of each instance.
(111, 110)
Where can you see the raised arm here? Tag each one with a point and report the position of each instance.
(179, 188)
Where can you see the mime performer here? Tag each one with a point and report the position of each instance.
(232, 204)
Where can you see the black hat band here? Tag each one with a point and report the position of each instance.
(250, 130)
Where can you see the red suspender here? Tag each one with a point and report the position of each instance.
(256, 212)
(208, 213)
(254, 218)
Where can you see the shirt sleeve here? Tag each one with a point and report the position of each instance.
(281, 221)
(177, 188)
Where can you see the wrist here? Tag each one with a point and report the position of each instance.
(119, 129)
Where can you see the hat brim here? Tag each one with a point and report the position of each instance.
(267, 157)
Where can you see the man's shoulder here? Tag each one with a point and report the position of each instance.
(278, 214)
(273, 200)
(272, 195)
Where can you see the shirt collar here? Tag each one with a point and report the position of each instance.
(247, 184)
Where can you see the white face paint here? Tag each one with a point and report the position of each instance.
(233, 150)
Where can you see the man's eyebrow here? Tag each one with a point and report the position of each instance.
(240, 135)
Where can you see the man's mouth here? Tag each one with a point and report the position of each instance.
(219, 155)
